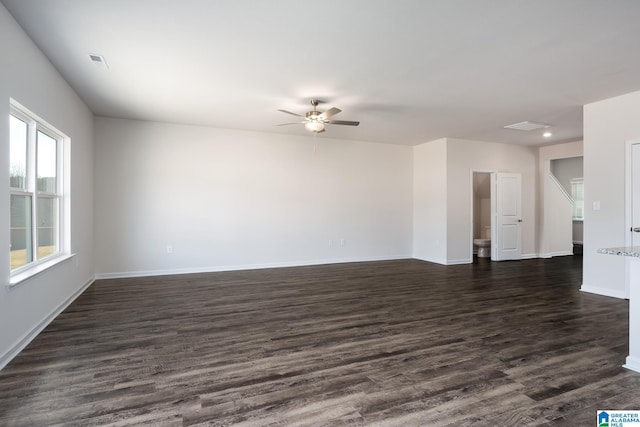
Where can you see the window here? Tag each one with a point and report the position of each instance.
(577, 193)
(36, 190)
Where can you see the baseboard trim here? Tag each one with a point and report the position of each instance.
(603, 291)
(459, 261)
(435, 261)
(216, 269)
(528, 256)
(23, 342)
(552, 254)
(633, 363)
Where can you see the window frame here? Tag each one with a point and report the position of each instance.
(30, 189)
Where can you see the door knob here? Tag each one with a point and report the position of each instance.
(635, 229)
(521, 221)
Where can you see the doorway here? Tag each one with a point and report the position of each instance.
(496, 214)
(567, 175)
(481, 210)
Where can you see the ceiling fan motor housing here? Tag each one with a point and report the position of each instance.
(312, 115)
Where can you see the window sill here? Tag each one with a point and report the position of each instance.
(19, 278)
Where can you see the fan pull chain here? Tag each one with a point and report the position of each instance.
(315, 135)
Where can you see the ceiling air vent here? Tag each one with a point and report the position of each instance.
(98, 60)
(527, 126)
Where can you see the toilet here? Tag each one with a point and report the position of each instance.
(484, 245)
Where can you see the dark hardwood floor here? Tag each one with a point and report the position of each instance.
(402, 343)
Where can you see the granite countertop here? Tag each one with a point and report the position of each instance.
(633, 251)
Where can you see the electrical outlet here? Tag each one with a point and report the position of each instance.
(169, 249)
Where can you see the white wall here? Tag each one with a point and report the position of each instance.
(28, 77)
(430, 201)
(442, 195)
(463, 156)
(227, 199)
(608, 125)
(555, 225)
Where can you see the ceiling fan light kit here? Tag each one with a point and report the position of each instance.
(315, 121)
(314, 126)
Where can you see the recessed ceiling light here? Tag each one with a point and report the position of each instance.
(98, 60)
(547, 134)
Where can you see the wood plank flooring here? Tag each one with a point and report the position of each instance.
(392, 343)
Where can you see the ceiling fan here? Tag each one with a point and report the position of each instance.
(315, 120)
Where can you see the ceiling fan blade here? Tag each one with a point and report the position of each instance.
(342, 122)
(289, 112)
(295, 123)
(330, 112)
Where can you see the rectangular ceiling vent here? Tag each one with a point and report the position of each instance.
(527, 126)
(98, 60)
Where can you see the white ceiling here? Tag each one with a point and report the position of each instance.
(409, 70)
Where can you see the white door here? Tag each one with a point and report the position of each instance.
(635, 194)
(632, 202)
(507, 211)
(633, 264)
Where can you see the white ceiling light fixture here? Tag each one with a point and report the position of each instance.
(314, 126)
(547, 134)
(315, 122)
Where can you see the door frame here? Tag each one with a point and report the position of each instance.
(492, 193)
(628, 208)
